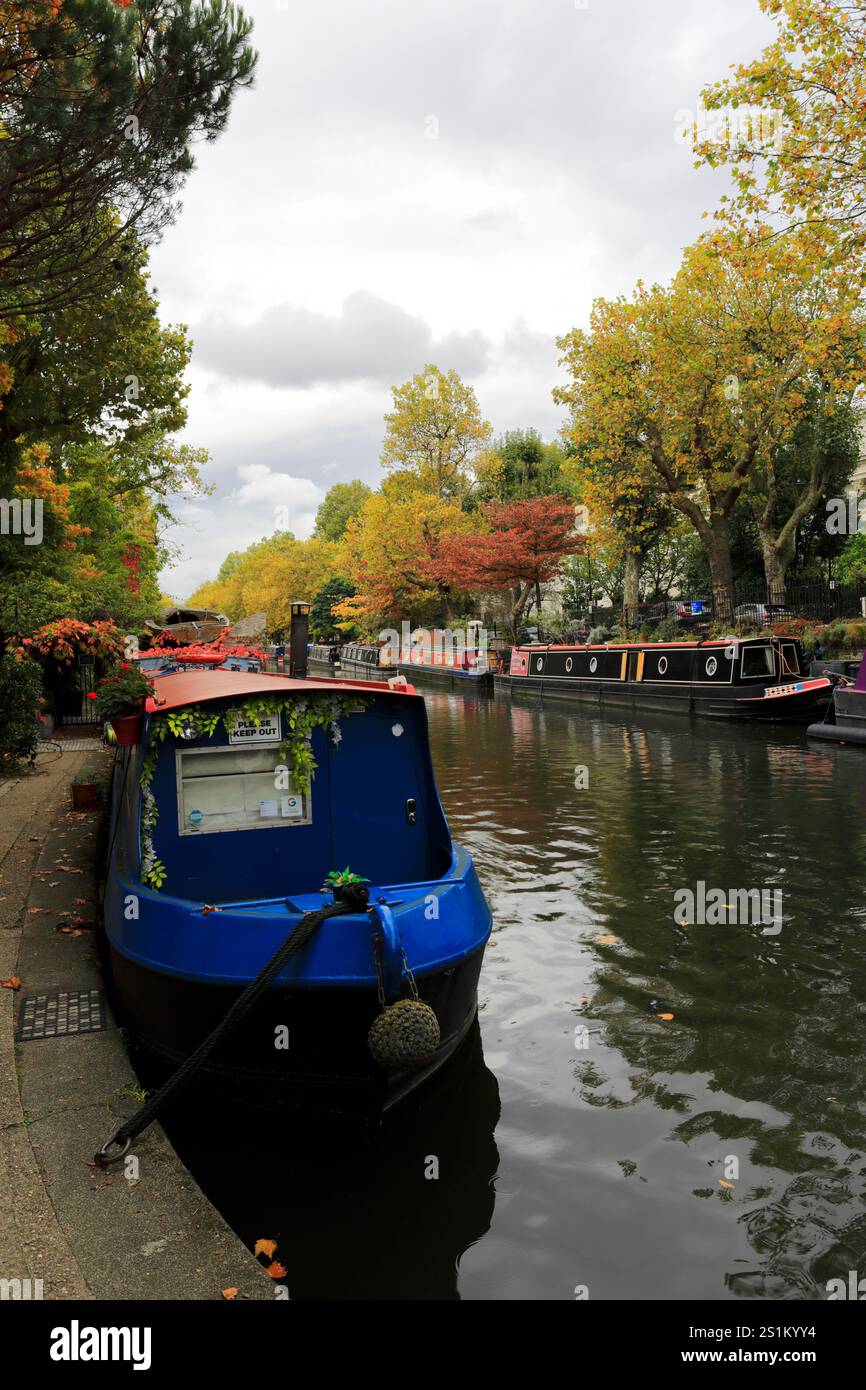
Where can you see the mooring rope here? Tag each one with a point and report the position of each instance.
(293, 943)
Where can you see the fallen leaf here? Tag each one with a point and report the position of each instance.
(608, 939)
(229, 1294)
(14, 982)
(276, 1271)
(54, 884)
(80, 902)
(666, 1017)
(266, 1247)
(724, 1183)
(39, 909)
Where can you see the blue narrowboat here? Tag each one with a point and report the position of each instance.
(252, 801)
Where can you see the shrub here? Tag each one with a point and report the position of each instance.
(667, 631)
(20, 692)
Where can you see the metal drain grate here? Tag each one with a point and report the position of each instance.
(59, 1013)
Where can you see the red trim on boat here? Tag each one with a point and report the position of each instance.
(172, 689)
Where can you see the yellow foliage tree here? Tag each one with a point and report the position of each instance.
(687, 389)
(436, 433)
(390, 552)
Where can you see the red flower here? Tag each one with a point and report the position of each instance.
(91, 695)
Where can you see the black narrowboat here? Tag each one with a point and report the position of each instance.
(367, 661)
(845, 720)
(728, 678)
(324, 658)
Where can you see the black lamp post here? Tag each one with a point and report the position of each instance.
(300, 612)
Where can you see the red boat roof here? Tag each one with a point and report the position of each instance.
(174, 689)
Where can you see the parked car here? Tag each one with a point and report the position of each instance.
(692, 612)
(762, 614)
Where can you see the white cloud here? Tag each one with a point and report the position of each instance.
(328, 247)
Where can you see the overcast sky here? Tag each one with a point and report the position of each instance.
(421, 180)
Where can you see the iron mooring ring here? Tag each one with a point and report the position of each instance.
(103, 1158)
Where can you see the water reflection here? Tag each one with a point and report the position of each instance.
(388, 1219)
(764, 1058)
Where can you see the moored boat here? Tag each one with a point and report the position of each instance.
(845, 720)
(221, 847)
(185, 625)
(370, 660)
(325, 657)
(729, 678)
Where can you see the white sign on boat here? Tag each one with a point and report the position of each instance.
(247, 731)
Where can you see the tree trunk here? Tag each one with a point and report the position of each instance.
(631, 587)
(520, 596)
(717, 548)
(775, 566)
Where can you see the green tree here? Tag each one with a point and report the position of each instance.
(323, 624)
(101, 104)
(341, 503)
(522, 465)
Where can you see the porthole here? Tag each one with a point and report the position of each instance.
(568, 663)
(712, 666)
(539, 665)
(593, 664)
(663, 665)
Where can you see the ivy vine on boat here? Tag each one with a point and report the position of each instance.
(300, 716)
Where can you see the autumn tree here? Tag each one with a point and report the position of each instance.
(796, 132)
(688, 388)
(391, 553)
(102, 102)
(267, 577)
(436, 433)
(525, 548)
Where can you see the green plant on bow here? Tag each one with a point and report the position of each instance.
(343, 878)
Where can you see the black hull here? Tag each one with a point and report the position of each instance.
(363, 670)
(467, 681)
(719, 703)
(848, 716)
(326, 1065)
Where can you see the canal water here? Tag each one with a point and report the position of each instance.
(648, 1110)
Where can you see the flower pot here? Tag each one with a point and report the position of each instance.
(85, 796)
(127, 729)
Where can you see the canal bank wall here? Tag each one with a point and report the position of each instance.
(141, 1230)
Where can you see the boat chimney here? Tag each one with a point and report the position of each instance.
(300, 612)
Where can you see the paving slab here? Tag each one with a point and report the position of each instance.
(139, 1230)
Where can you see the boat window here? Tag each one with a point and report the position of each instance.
(663, 665)
(790, 659)
(235, 789)
(593, 664)
(711, 666)
(757, 661)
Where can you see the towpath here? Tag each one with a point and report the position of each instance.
(136, 1231)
